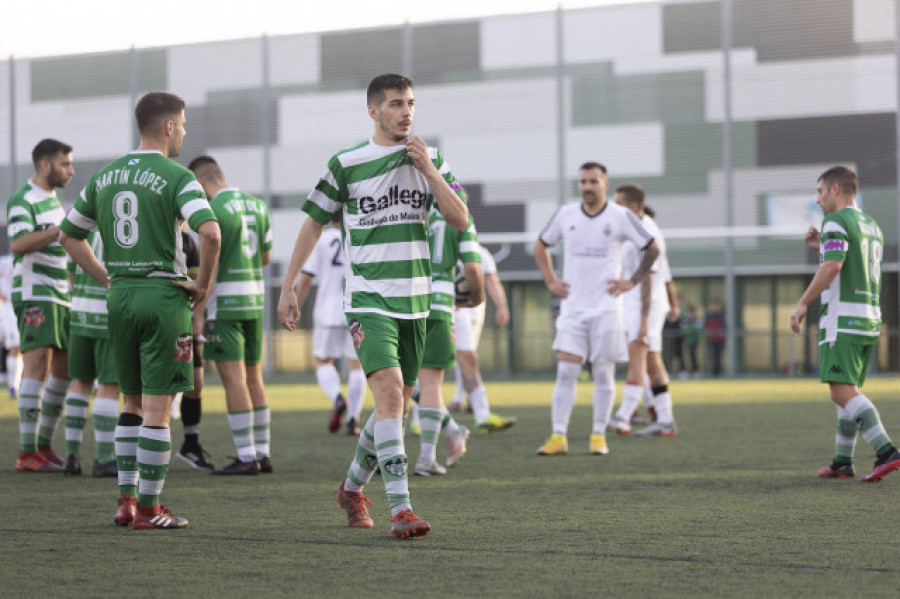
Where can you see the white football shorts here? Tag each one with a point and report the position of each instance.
(600, 339)
(333, 342)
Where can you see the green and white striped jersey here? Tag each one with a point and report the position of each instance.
(447, 245)
(239, 289)
(138, 203)
(851, 311)
(40, 275)
(385, 201)
(89, 317)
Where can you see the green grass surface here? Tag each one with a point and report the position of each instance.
(731, 507)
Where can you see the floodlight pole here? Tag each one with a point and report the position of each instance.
(266, 114)
(561, 108)
(727, 168)
(12, 125)
(897, 157)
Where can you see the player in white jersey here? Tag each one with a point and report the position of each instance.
(331, 337)
(646, 309)
(467, 325)
(9, 329)
(589, 325)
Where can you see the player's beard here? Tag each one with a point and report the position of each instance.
(56, 178)
(390, 133)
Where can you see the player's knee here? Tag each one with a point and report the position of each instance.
(567, 372)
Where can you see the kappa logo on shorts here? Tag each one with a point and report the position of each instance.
(34, 316)
(178, 379)
(184, 348)
(357, 333)
(835, 369)
(371, 461)
(396, 466)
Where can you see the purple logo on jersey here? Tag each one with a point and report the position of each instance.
(835, 245)
(455, 186)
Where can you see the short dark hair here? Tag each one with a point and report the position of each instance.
(154, 107)
(205, 166)
(592, 164)
(844, 177)
(382, 83)
(633, 193)
(48, 148)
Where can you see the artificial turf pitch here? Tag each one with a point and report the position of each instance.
(730, 507)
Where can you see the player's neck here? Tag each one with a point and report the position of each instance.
(41, 182)
(594, 209)
(383, 139)
(154, 145)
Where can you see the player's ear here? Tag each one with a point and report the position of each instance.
(373, 112)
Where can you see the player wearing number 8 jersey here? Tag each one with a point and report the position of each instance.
(139, 203)
(849, 281)
(234, 314)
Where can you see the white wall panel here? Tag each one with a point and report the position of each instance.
(873, 20)
(98, 128)
(341, 119)
(612, 32)
(294, 59)
(518, 41)
(196, 69)
(626, 150)
(806, 89)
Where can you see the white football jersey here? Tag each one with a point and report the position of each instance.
(592, 254)
(6, 275)
(659, 299)
(326, 263)
(487, 261)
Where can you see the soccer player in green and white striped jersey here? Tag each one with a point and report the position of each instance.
(40, 297)
(91, 359)
(851, 248)
(384, 187)
(139, 202)
(234, 314)
(447, 246)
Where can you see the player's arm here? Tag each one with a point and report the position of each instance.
(475, 282)
(557, 287)
(824, 276)
(34, 241)
(210, 243)
(288, 307)
(498, 296)
(619, 286)
(81, 253)
(303, 287)
(267, 257)
(452, 207)
(674, 305)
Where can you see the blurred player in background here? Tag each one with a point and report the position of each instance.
(590, 323)
(468, 323)
(234, 314)
(138, 203)
(446, 246)
(9, 328)
(188, 406)
(851, 248)
(90, 360)
(646, 308)
(41, 299)
(331, 337)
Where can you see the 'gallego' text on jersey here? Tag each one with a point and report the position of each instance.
(385, 201)
(40, 275)
(239, 290)
(138, 203)
(851, 310)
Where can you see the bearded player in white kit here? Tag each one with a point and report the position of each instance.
(590, 323)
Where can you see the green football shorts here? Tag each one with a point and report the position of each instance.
(844, 362)
(440, 352)
(384, 342)
(42, 324)
(151, 336)
(91, 358)
(235, 340)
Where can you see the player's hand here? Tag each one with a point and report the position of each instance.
(559, 288)
(812, 238)
(197, 322)
(288, 309)
(417, 150)
(797, 317)
(642, 331)
(501, 316)
(195, 291)
(619, 286)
